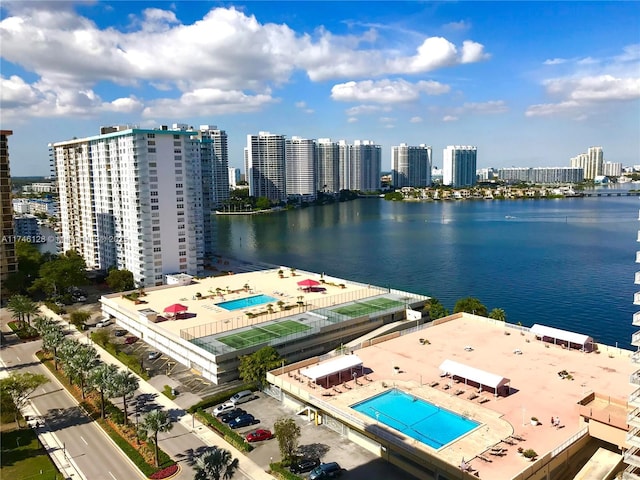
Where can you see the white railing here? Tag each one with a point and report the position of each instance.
(563, 446)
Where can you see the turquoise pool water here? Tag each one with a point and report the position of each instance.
(419, 419)
(246, 302)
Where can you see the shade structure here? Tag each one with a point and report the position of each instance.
(308, 283)
(176, 308)
(476, 375)
(339, 364)
(555, 334)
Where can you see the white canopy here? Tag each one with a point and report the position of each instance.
(474, 374)
(340, 364)
(563, 335)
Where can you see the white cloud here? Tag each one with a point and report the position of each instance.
(16, 93)
(459, 26)
(490, 107)
(595, 82)
(555, 61)
(352, 120)
(449, 118)
(415, 120)
(473, 52)
(386, 119)
(385, 91)
(365, 110)
(301, 104)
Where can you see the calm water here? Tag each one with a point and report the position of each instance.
(567, 263)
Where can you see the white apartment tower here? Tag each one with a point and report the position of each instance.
(327, 166)
(344, 152)
(265, 166)
(592, 162)
(632, 454)
(411, 166)
(300, 154)
(132, 198)
(459, 166)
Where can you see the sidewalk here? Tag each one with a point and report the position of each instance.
(201, 432)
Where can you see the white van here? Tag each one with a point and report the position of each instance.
(241, 397)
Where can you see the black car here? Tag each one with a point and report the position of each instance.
(303, 465)
(228, 416)
(243, 420)
(120, 333)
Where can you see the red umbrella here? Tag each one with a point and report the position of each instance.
(176, 308)
(308, 283)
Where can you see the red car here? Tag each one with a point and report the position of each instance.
(130, 340)
(259, 435)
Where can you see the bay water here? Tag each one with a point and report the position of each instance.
(567, 263)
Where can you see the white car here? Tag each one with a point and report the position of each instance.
(103, 323)
(225, 407)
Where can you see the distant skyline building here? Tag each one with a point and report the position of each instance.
(459, 166)
(411, 165)
(542, 175)
(612, 169)
(327, 166)
(265, 166)
(133, 199)
(26, 226)
(300, 168)
(8, 259)
(234, 177)
(592, 162)
(364, 166)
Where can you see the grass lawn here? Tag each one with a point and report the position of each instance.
(23, 457)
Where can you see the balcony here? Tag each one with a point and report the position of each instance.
(633, 418)
(633, 439)
(631, 473)
(634, 398)
(635, 339)
(632, 457)
(634, 379)
(636, 298)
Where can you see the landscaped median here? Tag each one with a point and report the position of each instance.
(139, 451)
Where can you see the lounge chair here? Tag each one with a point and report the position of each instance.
(485, 459)
(434, 384)
(473, 396)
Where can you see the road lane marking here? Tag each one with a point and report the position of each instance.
(85, 442)
(112, 476)
(18, 358)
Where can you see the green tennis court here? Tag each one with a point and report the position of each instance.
(263, 333)
(359, 309)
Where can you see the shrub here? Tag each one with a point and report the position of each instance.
(225, 431)
(165, 472)
(221, 397)
(168, 392)
(529, 453)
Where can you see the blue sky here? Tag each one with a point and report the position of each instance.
(529, 84)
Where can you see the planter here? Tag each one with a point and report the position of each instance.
(534, 421)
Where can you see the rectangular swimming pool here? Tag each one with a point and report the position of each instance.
(245, 302)
(416, 418)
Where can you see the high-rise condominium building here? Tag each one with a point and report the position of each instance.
(234, 177)
(365, 160)
(300, 155)
(543, 175)
(411, 166)
(327, 166)
(632, 454)
(8, 260)
(592, 162)
(459, 166)
(612, 169)
(265, 166)
(344, 155)
(133, 199)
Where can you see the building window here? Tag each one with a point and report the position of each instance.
(154, 207)
(152, 150)
(182, 240)
(151, 135)
(178, 185)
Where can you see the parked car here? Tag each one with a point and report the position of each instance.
(304, 465)
(121, 332)
(154, 355)
(131, 340)
(103, 323)
(230, 415)
(326, 470)
(225, 407)
(243, 421)
(243, 396)
(259, 435)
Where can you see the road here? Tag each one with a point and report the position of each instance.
(67, 429)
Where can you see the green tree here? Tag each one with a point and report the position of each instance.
(120, 280)
(154, 422)
(435, 309)
(124, 384)
(262, 203)
(52, 338)
(29, 261)
(56, 276)
(470, 305)
(68, 349)
(498, 314)
(215, 464)
(102, 379)
(253, 368)
(84, 359)
(288, 433)
(22, 308)
(18, 386)
(78, 318)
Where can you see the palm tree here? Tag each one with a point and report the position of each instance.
(52, 338)
(17, 306)
(102, 378)
(81, 363)
(498, 314)
(124, 383)
(155, 422)
(68, 350)
(30, 308)
(215, 464)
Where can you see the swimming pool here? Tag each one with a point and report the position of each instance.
(419, 419)
(245, 302)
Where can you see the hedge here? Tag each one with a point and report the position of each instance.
(226, 432)
(279, 471)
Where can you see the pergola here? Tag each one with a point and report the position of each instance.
(337, 365)
(585, 342)
(482, 378)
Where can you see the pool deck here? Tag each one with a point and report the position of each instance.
(537, 389)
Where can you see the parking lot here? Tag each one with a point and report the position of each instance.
(315, 441)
